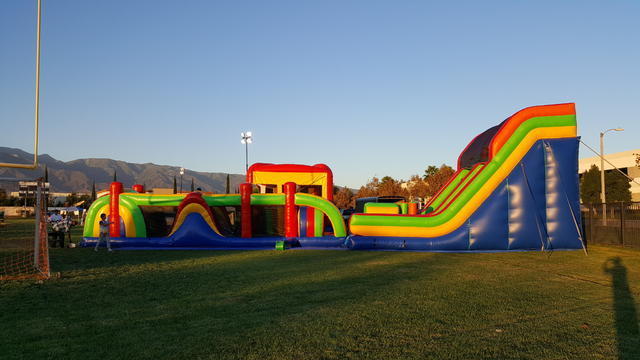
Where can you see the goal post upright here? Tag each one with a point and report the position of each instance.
(34, 165)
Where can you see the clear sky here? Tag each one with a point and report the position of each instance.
(371, 88)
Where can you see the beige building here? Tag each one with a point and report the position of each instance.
(625, 161)
(162, 191)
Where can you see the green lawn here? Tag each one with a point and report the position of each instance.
(326, 305)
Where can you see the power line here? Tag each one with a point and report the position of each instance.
(609, 162)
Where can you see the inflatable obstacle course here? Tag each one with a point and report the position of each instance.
(201, 220)
(515, 188)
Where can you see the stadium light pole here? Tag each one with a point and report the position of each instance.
(246, 139)
(603, 197)
(181, 173)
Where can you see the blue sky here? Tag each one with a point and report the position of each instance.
(371, 88)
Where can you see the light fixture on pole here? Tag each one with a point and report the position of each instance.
(181, 173)
(246, 139)
(603, 198)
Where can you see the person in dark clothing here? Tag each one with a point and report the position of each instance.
(66, 226)
(57, 225)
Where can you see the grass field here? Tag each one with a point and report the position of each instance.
(326, 305)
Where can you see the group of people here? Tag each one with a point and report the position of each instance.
(60, 228)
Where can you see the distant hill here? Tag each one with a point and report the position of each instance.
(78, 175)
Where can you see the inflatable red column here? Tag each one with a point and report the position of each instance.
(138, 188)
(413, 208)
(245, 209)
(290, 213)
(114, 209)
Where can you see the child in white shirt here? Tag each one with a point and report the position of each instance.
(104, 232)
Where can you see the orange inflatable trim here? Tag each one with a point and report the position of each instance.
(523, 115)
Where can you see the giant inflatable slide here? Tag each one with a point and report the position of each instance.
(515, 188)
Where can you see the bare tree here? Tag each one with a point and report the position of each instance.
(343, 198)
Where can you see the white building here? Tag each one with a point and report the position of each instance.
(625, 161)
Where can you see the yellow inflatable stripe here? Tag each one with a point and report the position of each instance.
(470, 207)
(96, 222)
(391, 208)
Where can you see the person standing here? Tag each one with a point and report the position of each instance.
(57, 226)
(66, 227)
(84, 216)
(104, 232)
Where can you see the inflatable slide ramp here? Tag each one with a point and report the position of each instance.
(515, 188)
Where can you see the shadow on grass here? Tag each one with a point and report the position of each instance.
(227, 309)
(71, 262)
(85, 259)
(626, 315)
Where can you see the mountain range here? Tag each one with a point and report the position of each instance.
(79, 175)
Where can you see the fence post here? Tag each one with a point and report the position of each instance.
(591, 236)
(39, 215)
(622, 210)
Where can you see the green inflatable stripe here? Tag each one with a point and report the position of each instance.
(267, 199)
(90, 219)
(175, 200)
(318, 223)
(404, 208)
(488, 171)
(327, 207)
(226, 200)
(452, 186)
(155, 200)
(136, 213)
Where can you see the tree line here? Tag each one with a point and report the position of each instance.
(424, 187)
(617, 186)
(418, 187)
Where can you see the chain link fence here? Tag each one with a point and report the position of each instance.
(612, 224)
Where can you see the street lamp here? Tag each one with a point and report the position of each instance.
(181, 173)
(603, 198)
(246, 139)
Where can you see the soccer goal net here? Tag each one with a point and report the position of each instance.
(24, 250)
